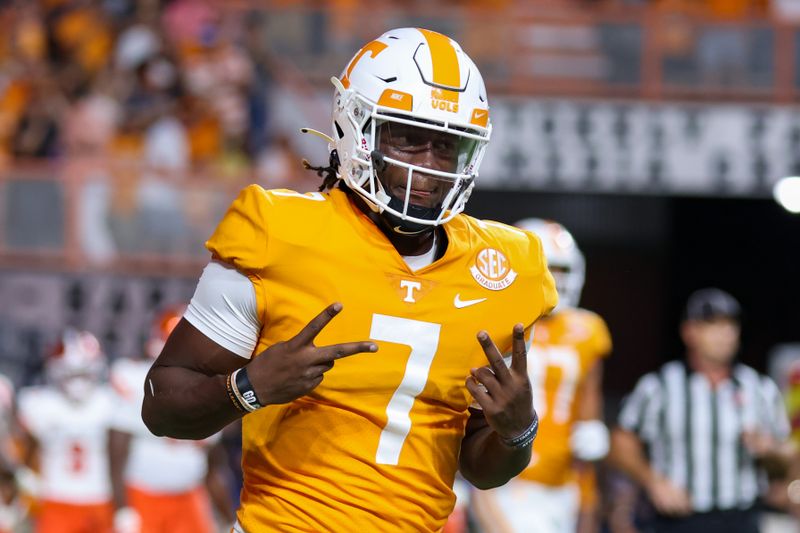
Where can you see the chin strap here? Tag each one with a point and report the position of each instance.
(407, 227)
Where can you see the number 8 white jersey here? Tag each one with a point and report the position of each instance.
(73, 440)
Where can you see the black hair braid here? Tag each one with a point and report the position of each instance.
(328, 174)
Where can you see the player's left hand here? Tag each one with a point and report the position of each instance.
(503, 392)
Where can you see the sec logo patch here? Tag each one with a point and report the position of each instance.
(493, 270)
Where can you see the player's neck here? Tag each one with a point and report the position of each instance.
(406, 245)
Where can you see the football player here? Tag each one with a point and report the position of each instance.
(156, 479)
(12, 509)
(304, 289)
(65, 425)
(11, 513)
(7, 448)
(565, 366)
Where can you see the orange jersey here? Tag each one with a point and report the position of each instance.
(374, 447)
(565, 348)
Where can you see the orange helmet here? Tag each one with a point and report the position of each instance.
(162, 326)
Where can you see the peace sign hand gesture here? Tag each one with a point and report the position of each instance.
(288, 370)
(504, 393)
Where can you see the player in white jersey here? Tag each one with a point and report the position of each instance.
(65, 425)
(156, 479)
(6, 409)
(12, 510)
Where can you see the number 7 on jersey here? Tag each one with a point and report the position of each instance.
(423, 338)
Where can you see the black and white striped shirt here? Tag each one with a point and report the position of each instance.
(693, 432)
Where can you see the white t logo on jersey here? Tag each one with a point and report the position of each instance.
(410, 287)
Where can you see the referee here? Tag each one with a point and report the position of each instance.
(693, 433)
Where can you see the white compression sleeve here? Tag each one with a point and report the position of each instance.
(224, 309)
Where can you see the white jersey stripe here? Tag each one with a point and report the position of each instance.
(728, 431)
(675, 380)
(700, 402)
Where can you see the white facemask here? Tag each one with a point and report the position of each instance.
(78, 388)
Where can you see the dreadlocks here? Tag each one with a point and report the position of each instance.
(328, 174)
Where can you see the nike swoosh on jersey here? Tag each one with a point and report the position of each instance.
(460, 304)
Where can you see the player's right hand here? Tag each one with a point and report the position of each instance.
(288, 370)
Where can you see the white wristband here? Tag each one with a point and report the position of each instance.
(589, 440)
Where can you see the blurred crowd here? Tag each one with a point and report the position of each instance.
(178, 82)
(181, 84)
(175, 83)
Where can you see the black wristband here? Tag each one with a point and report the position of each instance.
(244, 389)
(525, 438)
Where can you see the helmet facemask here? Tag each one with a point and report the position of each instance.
(569, 283)
(76, 365)
(388, 141)
(567, 264)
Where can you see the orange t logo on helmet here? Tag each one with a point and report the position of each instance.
(374, 48)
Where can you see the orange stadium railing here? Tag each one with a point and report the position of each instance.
(112, 216)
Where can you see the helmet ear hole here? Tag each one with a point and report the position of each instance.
(339, 130)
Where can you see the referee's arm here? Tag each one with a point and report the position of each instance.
(627, 450)
(627, 455)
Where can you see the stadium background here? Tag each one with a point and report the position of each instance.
(653, 130)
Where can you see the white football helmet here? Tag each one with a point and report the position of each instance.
(564, 259)
(413, 77)
(76, 364)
